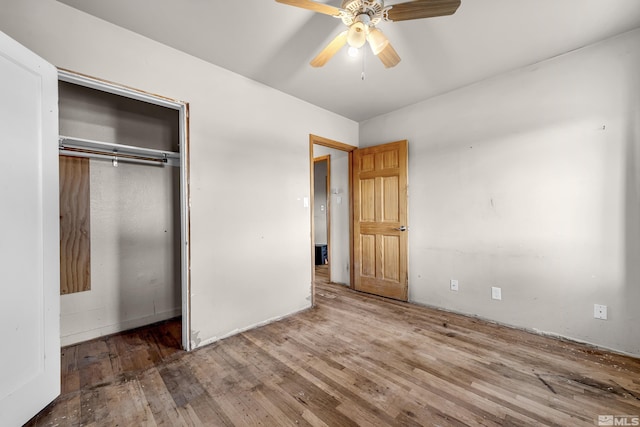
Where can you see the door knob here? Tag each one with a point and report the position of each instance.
(401, 228)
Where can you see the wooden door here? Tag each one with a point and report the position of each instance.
(29, 242)
(380, 220)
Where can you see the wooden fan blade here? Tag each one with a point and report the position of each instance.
(312, 5)
(332, 48)
(419, 9)
(389, 56)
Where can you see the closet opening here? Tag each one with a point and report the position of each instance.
(124, 247)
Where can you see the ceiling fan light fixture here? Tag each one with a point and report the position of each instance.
(353, 52)
(361, 18)
(357, 36)
(377, 40)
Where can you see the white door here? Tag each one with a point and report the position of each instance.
(29, 242)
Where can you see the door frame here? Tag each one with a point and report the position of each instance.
(325, 142)
(183, 113)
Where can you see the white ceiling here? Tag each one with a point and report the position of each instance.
(273, 43)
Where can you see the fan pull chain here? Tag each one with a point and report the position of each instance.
(364, 53)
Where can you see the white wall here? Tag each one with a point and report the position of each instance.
(339, 212)
(530, 182)
(135, 277)
(320, 202)
(250, 231)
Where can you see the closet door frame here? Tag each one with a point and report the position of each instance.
(183, 110)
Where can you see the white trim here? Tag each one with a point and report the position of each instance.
(118, 327)
(185, 251)
(103, 86)
(250, 327)
(535, 331)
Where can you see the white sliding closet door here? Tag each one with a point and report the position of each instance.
(29, 241)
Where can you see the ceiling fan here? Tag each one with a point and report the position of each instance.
(362, 16)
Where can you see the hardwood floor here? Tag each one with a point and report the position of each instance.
(354, 359)
(322, 274)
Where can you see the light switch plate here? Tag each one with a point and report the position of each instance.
(496, 293)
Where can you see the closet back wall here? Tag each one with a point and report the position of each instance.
(135, 217)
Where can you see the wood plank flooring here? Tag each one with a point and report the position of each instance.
(352, 360)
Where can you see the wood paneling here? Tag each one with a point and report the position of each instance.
(354, 359)
(368, 249)
(75, 229)
(391, 258)
(367, 200)
(380, 210)
(390, 199)
(390, 159)
(367, 162)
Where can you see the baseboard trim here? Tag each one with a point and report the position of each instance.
(535, 331)
(118, 327)
(208, 341)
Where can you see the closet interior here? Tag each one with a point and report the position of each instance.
(121, 212)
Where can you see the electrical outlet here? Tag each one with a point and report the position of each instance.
(496, 293)
(600, 311)
(454, 285)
